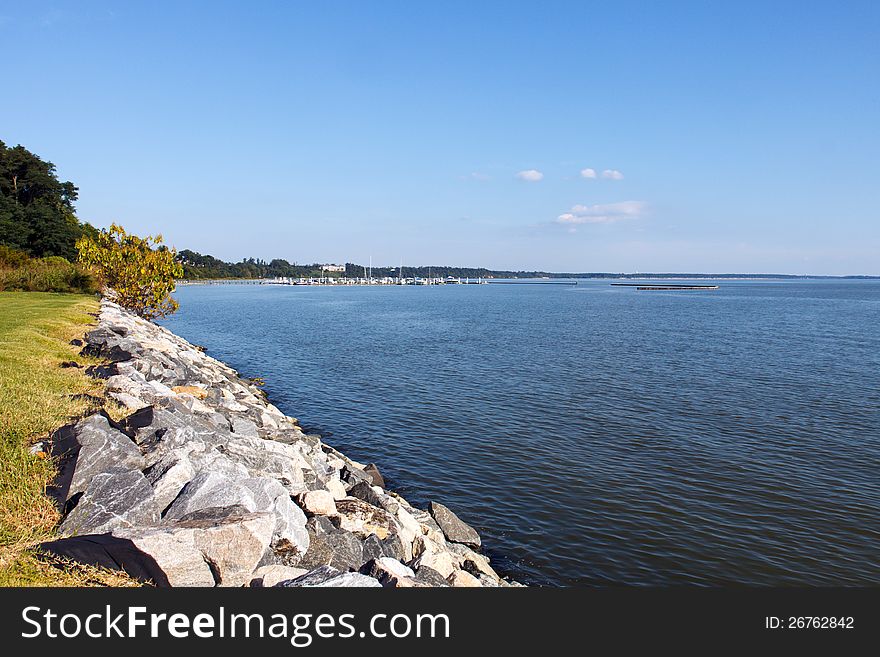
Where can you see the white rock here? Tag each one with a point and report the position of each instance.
(427, 553)
(130, 402)
(182, 563)
(244, 427)
(161, 390)
(268, 421)
(268, 576)
(462, 579)
(336, 488)
(318, 502)
(409, 530)
(391, 567)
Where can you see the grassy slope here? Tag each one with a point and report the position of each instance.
(36, 397)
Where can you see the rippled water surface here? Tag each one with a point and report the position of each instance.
(592, 434)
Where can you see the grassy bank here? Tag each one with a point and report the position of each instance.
(37, 396)
(18, 271)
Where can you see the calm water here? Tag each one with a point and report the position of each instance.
(594, 435)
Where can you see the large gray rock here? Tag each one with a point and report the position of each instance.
(426, 576)
(268, 458)
(217, 548)
(311, 578)
(392, 547)
(290, 539)
(322, 525)
(212, 460)
(390, 572)
(453, 528)
(373, 548)
(169, 425)
(117, 497)
(352, 476)
(244, 427)
(351, 580)
(338, 548)
(105, 344)
(162, 442)
(364, 491)
(375, 476)
(170, 474)
(101, 447)
(327, 576)
(209, 490)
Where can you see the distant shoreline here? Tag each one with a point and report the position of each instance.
(593, 276)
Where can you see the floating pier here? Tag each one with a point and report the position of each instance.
(666, 286)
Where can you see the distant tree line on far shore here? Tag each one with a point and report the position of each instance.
(197, 266)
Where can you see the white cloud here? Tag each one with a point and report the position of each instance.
(530, 175)
(604, 213)
(588, 173)
(482, 177)
(612, 174)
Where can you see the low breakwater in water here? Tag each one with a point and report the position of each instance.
(205, 483)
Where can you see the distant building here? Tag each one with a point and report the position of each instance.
(340, 268)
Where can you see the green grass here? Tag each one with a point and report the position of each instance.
(36, 397)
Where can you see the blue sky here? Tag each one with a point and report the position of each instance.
(722, 136)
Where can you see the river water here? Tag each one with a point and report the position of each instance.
(594, 435)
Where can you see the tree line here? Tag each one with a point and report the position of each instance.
(36, 208)
(197, 266)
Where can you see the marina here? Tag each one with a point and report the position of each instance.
(387, 280)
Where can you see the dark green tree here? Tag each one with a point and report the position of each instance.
(36, 208)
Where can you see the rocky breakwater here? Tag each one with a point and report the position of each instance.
(205, 483)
